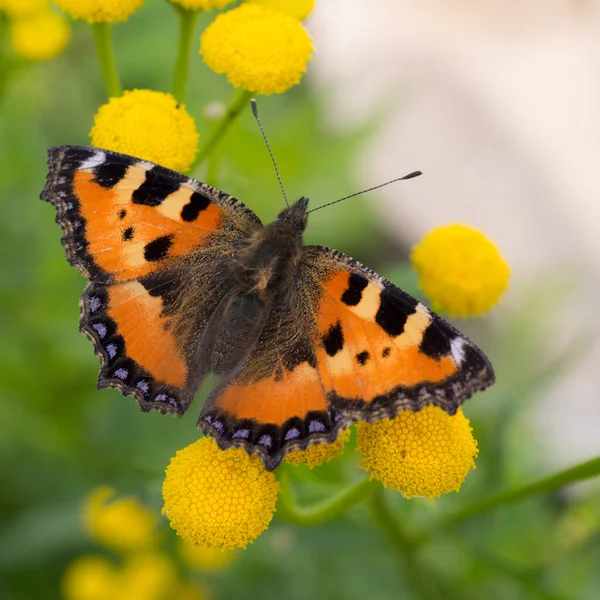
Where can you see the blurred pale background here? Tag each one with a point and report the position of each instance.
(501, 111)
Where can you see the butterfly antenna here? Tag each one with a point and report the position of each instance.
(262, 130)
(409, 176)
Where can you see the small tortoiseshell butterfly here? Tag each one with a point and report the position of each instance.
(185, 280)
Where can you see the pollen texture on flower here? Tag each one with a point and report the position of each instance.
(221, 499)
(299, 9)
(424, 453)
(119, 523)
(39, 36)
(460, 270)
(149, 125)
(90, 578)
(318, 454)
(202, 4)
(259, 49)
(95, 11)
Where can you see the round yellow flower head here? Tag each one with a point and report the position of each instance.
(149, 576)
(23, 8)
(424, 453)
(202, 4)
(122, 523)
(460, 270)
(89, 578)
(94, 11)
(211, 560)
(259, 49)
(40, 36)
(299, 9)
(220, 499)
(317, 454)
(148, 125)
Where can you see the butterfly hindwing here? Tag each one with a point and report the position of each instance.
(151, 241)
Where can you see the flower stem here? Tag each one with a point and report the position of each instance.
(422, 585)
(106, 56)
(580, 472)
(187, 22)
(241, 101)
(324, 511)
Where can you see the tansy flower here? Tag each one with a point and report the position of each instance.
(202, 4)
(89, 578)
(212, 560)
(23, 8)
(259, 49)
(317, 454)
(146, 577)
(424, 453)
(148, 125)
(94, 11)
(40, 36)
(299, 9)
(220, 499)
(120, 523)
(460, 270)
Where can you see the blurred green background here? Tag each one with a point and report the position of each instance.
(60, 438)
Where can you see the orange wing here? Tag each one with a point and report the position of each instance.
(343, 345)
(150, 240)
(124, 218)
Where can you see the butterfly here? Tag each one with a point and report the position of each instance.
(184, 281)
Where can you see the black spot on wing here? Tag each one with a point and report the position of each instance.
(122, 213)
(394, 310)
(386, 352)
(155, 188)
(127, 234)
(158, 248)
(108, 174)
(353, 294)
(363, 357)
(333, 340)
(435, 342)
(198, 202)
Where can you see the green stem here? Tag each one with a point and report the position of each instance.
(421, 584)
(187, 22)
(106, 55)
(580, 472)
(241, 101)
(329, 509)
(3, 52)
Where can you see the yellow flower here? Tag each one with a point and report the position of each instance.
(299, 9)
(202, 4)
(148, 125)
(94, 11)
(89, 578)
(189, 591)
(40, 36)
(460, 270)
(23, 8)
(424, 453)
(146, 577)
(258, 48)
(220, 499)
(212, 560)
(317, 454)
(122, 523)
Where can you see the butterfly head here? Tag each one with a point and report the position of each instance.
(296, 214)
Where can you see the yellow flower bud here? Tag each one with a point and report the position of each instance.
(460, 270)
(94, 11)
(424, 453)
(40, 36)
(89, 578)
(220, 499)
(299, 9)
(210, 560)
(148, 125)
(317, 454)
(259, 49)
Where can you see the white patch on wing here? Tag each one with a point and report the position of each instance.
(457, 347)
(93, 161)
